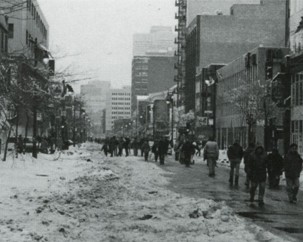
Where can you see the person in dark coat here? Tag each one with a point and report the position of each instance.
(146, 149)
(234, 154)
(256, 168)
(188, 149)
(105, 147)
(141, 144)
(251, 148)
(155, 150)
(120, 146)
(163, 147)
(293, 168)
(126, 146)
(274, 168)
(135, 146)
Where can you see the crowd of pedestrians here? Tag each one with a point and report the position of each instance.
(114, 147)
(259, 166)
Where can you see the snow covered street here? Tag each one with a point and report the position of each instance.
(84, 196)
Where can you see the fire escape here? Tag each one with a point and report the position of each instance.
(180, 41)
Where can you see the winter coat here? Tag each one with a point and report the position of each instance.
(257, 165)
(235, 151)
(275, 164)
(188, 148)
(292, 165)
(155, 148)
(211, 150)
(163, 147)
(145, 147)
(247, 153)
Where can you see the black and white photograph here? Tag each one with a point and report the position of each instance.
(151, 120)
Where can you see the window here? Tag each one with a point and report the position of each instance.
(10, 31)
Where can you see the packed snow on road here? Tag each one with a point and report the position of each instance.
(83, 196)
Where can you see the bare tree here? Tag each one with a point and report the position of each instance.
(253, 103)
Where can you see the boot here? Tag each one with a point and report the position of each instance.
(236, 180)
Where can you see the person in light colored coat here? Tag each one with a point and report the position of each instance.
(211, 153)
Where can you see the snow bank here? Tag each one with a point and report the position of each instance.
(108, 199)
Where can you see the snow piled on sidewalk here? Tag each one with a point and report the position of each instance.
(83, 196)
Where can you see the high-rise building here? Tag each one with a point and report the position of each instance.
(222, 38)
(159, 41)
(153, 62)
(118, 106)
(151, 74)
(186, 12)
(95, 95)
(212, 7)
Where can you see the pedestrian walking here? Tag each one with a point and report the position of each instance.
(146, 149)
(211, 154)
(234, 154)
(256, 168)
(135, 146)
(126, 146)
(120, 146)
(188, 149)
(163, 147)
(293, 168)
(274, 168)
(155, 150)
(251, 148)
(105, 147)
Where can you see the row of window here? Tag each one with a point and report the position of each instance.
(115, 103)
(297, 89)
(120, 108)
(121, 98)
(119, 117)
(143, 73)
(120, 94)
(120, 112)
(32, 9)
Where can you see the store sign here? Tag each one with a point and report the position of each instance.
(201, 121)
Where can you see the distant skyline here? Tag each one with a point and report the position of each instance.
(95, 36)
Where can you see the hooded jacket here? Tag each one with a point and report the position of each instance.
(257, 164)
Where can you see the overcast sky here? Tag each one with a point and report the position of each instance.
(99, 33)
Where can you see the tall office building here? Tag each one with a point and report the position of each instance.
(159, 41)
(153, 62)
(118, 106)
(95, 95)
